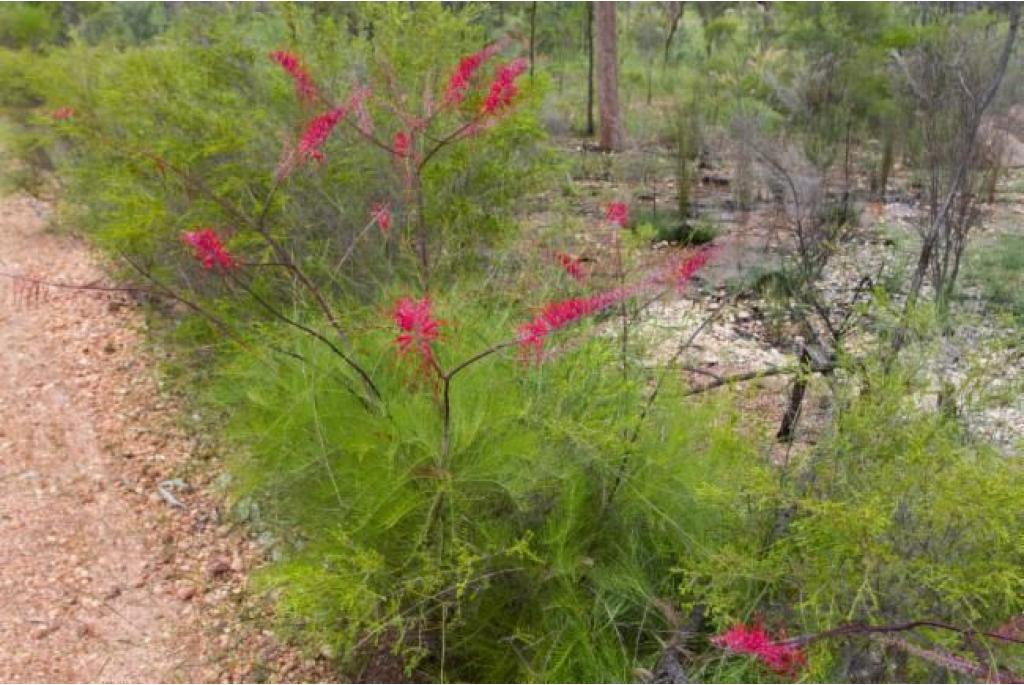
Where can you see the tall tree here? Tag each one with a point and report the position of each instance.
(533, 37)
(673, 15)
(610, 129)
(590, 68)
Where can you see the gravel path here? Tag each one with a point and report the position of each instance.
(77, 546)
(103, 578)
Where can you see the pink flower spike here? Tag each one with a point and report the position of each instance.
(503, 88)
(381, 213)
(208, 249)
(617, 214)
(557, 315)
(304, 87)
(63, 113)
(317, 132)
(778, 656)
(460, 81)
(419, 328)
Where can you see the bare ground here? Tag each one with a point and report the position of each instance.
(102, 578)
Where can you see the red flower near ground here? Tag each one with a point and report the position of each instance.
(572, 266)
(401, 143)
(779, 657)
(304, 86)
(503, 88)
(419, 328)
(617, 213)
(208, 248)
(459, 83)
(63, 113)
(317, 132)
(381, 213)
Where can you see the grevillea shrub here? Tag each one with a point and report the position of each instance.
(209, 106)
(513, 547)
(484, 483)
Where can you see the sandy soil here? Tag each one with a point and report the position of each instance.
(102, 578)
(76, 548)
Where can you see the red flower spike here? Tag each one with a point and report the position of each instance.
(63, 113)
(459, 83)
(558, 315)
(572, 266)
(304, 87)
(503, 88)
(778, 656)
(617, 213)
(401, 144)
(381, 213)
(317, 132)
(419, 328)
(208, 249)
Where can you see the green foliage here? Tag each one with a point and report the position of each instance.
(203, 98)
(515, 548)
(999, 269)
(28, 24)
(901, 518)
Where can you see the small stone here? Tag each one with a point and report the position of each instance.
(186, 592)
(43, 631)
(217, 567)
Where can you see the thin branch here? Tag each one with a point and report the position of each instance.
(862, 629)
(741, 377)
(216, 320)
(447, 380)
(367, 381)
(77, 286)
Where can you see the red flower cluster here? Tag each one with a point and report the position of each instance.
(572, 266)
(401, 143)
(381, 213)
(617, 213)
(503, 88)
(560, 314)
(63, 113)
(460, 81)
(208, 248)
(317, 132)
(304, 86)
(779, 657)
(419, 328)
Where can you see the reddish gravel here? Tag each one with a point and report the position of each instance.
(102, 579)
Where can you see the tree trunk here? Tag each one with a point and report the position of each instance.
(590, 69)
(610, 131)
(675, 14)
(533, 36)
(885, 168)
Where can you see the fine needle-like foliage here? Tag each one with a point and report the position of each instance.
(450, 435)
